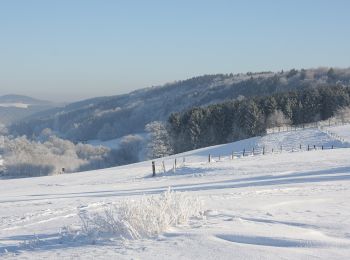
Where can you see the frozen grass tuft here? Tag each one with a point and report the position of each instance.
(141, 218)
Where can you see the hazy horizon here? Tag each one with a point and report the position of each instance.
(67, 51)
(72, 99)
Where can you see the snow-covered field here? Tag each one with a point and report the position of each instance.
(342, 132)
(289, 205)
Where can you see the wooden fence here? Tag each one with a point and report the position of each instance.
(254, 151)
(318, 124)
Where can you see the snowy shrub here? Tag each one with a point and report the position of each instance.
(141, 218)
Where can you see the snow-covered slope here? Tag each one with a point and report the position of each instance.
(290, 141)
(289, 205)
(341, 132)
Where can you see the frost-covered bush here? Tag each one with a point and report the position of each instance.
(50, 155)
(145, 217)
(24, 158)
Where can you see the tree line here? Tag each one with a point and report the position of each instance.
(247, 117)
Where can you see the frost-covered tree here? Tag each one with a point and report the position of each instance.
(250, 119)
(159, 140)
(343, 114)
(277, 119)
(331, 75)
(45, 134)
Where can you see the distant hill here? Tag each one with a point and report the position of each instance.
(22, 99)
(14, 108)
(115, 116)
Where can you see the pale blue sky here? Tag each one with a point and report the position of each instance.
(72, 49)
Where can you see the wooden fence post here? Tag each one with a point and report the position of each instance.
(300, 146)
(175, 163)
(209, 158)
(164, 170)
(153, 168)
(263, 150)
(308, 147)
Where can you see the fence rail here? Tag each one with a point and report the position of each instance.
(159, 168)
(318, 124)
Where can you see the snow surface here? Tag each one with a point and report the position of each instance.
(342, 132)
(292, 204)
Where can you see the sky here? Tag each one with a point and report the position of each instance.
(68, 50)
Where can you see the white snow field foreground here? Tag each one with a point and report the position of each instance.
(289, 205)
